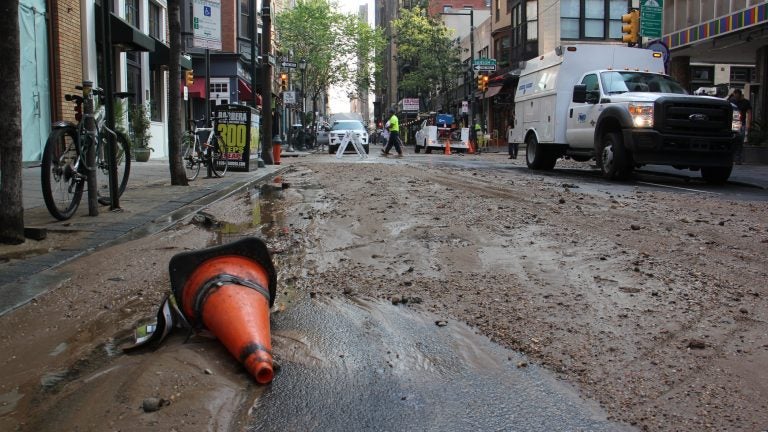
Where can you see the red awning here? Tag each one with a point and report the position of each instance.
(197, 90)
(245, 93)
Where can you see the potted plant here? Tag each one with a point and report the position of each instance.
(138, 120)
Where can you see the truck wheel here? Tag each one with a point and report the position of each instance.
(538, 157)
(613, 158)
(716, 175)
(417, 148)
(427, 150)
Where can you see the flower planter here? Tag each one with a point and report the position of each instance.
(141, 154)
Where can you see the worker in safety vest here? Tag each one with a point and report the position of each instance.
(393, 126)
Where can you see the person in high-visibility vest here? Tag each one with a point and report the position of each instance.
(478, 136)
(393, 126)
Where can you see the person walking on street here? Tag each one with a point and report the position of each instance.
(393, 126)
(744, 107)
(478, 131)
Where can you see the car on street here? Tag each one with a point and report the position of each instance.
(322, 134)
(339, 128)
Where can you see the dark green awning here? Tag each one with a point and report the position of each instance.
(128, 38)
(159, 58)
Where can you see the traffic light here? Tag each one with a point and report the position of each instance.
(482, 83)
(631, 27)
(189, 77)
(283, 81)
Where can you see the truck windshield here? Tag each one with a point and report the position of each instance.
(617, 82)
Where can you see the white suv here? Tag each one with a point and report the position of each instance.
(339, 128)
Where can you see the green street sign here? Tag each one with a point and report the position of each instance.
(484, 62)
(651, 12)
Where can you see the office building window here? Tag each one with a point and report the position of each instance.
(132, 12)
(592, 19)
(532, 20)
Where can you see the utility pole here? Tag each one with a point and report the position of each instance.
(266, 83)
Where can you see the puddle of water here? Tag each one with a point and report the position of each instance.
(368, 365)
(95, 360)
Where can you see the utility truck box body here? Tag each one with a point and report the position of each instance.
(615, 104)
(437, 131)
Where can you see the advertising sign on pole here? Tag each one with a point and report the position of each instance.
(411, 104)
(206, 24)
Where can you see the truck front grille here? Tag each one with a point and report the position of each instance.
(702, 118)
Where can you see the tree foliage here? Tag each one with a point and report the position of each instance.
(427, 54)
(339, 48)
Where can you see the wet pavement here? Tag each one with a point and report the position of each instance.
(353, 364)
(149, 204)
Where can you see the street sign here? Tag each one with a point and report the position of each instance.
(206, 24)
(650, 18)
(484, 64)
(288, 64)
(411, 104)
(478, 68)
(289, 97)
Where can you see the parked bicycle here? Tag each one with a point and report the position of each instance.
(210, 153)
(64, 165)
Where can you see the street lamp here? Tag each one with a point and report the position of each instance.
(303, 68)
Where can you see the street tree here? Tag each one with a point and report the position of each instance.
(332, 43)
(427, 55)
(175, 128)
(11, 205)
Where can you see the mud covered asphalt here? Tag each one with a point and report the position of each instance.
(424, 297)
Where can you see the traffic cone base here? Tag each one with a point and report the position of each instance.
(228, 290)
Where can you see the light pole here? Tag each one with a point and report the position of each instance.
(303, 68)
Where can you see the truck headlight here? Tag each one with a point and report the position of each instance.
(642, 114)
(736, 121)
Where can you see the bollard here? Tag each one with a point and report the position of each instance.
(228, 290)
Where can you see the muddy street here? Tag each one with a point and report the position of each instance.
(406, 289)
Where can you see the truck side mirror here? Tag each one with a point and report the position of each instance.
(580, 93)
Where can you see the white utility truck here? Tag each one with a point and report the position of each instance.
(437, 131)
(615, 104)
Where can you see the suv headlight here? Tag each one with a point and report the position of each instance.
(736, 121)
(642, 114)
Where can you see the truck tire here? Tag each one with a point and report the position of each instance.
(538, 157)
(417, 148)
(613, 158)
(716, 175)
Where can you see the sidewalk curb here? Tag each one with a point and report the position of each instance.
(23, 280)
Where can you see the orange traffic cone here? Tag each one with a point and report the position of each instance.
(228, 290)
(470, 147)
(448, 146)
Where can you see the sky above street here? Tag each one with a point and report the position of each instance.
(338, 100)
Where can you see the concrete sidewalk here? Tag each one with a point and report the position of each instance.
(149, 204)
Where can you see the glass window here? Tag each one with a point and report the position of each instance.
(245, 19)
(592, 19)
(132, 12)
(155, 18)
(591, 82)
(156, 95)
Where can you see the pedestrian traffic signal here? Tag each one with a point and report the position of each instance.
(631, 27)
(189, 77)
(283, 81)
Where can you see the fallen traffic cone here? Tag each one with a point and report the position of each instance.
(228, 290)
(448, 146)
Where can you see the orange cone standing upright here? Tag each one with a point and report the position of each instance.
(228, 290)
(448, 146)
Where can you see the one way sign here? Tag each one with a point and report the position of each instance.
(484, 64)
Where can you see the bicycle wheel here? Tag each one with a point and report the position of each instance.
(123, 168)
(219, 160)
(62, 184)
(190, 156)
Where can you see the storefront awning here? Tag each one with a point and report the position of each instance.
(492, 91)
(127, 37)
(197, 89)
(245, 93)
(160, 57)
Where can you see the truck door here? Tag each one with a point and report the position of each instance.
(582, 117)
